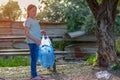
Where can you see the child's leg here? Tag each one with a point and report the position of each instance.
(33, 55)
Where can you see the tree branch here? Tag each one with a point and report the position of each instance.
(110, 5)
(94, 6)
(114, 6)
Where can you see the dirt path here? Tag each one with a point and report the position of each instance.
(69, 71)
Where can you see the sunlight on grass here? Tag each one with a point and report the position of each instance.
(14, 61)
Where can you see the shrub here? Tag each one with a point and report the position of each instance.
(93, 59)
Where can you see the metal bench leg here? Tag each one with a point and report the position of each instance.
(54, 67)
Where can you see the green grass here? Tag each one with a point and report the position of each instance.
(92, 59)
(14, 61)
(118, 45)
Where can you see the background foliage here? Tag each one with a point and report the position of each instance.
(74, 12)
(10, 11)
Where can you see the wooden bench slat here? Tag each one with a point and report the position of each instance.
(14, 50)
(27, 50)
(14, 53)
(12, 37)
(23, 37)
(57, 56)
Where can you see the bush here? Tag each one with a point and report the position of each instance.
(58, 45)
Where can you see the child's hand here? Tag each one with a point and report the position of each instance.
(38, 42)
(43, 32)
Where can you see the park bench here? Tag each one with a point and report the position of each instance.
(25, 52)
(11, 44)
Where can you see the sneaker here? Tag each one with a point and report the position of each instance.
(38, 78)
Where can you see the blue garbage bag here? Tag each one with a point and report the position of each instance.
(46, 52)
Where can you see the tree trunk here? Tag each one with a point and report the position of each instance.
(104, 14)
(106, 40)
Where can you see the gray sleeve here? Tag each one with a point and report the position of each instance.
(28, 23)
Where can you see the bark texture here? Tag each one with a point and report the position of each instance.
(104, 14)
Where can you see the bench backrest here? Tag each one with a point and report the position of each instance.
(5, 27)
(54, 30)
(50, 28)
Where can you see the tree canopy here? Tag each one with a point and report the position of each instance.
(10, 11)
(75, 13)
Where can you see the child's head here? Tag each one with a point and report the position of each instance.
(31, 11)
